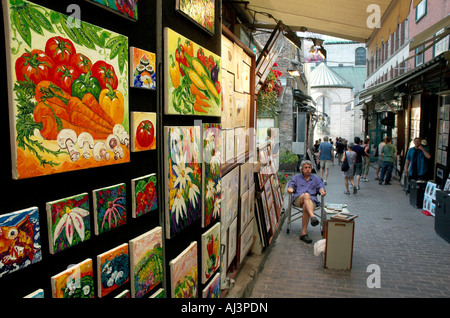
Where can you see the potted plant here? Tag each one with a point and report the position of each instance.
(267, 100)
(288, 161)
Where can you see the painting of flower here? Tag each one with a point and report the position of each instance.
(109, 208)
(210, 252)
(20, 240)
(146, 262)
(184, 178)
(75, 282)
(212, 290)
(212, 158)
(68, 222)
(144, 195)
(113, 269)
(184, 273)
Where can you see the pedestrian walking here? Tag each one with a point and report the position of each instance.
(325, 158)
(366, 160)
(380, 158)
(389, 153)
(359, 150)
(417, 160)
(350, 156)
(340, 147)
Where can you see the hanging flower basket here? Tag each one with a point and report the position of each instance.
(267, 101)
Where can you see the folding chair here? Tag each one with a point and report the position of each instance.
(298, 213)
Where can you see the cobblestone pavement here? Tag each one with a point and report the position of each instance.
(413, 260)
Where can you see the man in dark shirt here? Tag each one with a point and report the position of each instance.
(340, 147)
(359, 160)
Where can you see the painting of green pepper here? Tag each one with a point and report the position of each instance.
(210, 252)
(193, 76)
(68, 92)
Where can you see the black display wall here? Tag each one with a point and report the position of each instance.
(147, 34)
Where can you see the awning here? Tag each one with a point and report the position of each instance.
(346, 19)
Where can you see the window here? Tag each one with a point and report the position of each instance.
(360, 56)
(442, 45)
(421, 10)
(420, 57)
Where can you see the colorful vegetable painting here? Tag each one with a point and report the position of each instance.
(68, 222)
(146, 262)
(128, 8)
(109, 208)
(143, 128)
(210, 252)
(145, 198)
(68, 92)
(142, 73)
(75, 282)
(193, 76)
(212, 158)
(20, 240)
(113, 269)
(184, 273)
(200, 11)
(183, 169)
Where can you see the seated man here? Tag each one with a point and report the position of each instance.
(305, 187)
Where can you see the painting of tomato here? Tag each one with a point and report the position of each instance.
(105, 74)
(64, 75)
(34, 65)
(81, 62)
(59, 49)
(144, 128)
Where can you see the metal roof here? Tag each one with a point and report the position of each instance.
(323, 76)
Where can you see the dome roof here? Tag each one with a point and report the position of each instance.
(323, 76)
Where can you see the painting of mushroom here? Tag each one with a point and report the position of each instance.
(211, 179)
(75, 282)
(68, 222)
(109, 208)
(67, 92)
(143, 128)
(144, 196)
(183, 170)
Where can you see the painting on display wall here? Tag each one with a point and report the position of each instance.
(144, 196)
(20, 240)
(212, 290)
(113, 269)
(183, 171)
(142, 71)
(210, 252)
(146, 262)
(211, 179)
(201, 12)
(193, 76)
(128, 8)
(57, 122)
(75, 282)
(68, 222)
(143, 128)
(184, 273)
(109, 208)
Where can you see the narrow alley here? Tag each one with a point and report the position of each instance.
(413, 260)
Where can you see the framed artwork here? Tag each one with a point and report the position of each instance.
(143, 128)
(128, 9)
(113, 269)
(245, 77)
(240, 102)
(210, 252)
(224, 252)
(109, 205)
(265, 211)
(246, 242)
(244, 182)
(251, 201)
(237, 59)
(76, 127)
(229, 145)
(192, 82)
(36, 294)
(228, 100)
(142, 70)
(201, 12)
(184, 273)
(183, 171)
(212, 290)
(146, 262)
(232, 241)
(211, 179)
(239, 134)
(269, 193)
(68, 222)
(75, 282)
(20, 242)
(144, 196)
(273, 218)
(244, 216)
(227, 55)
